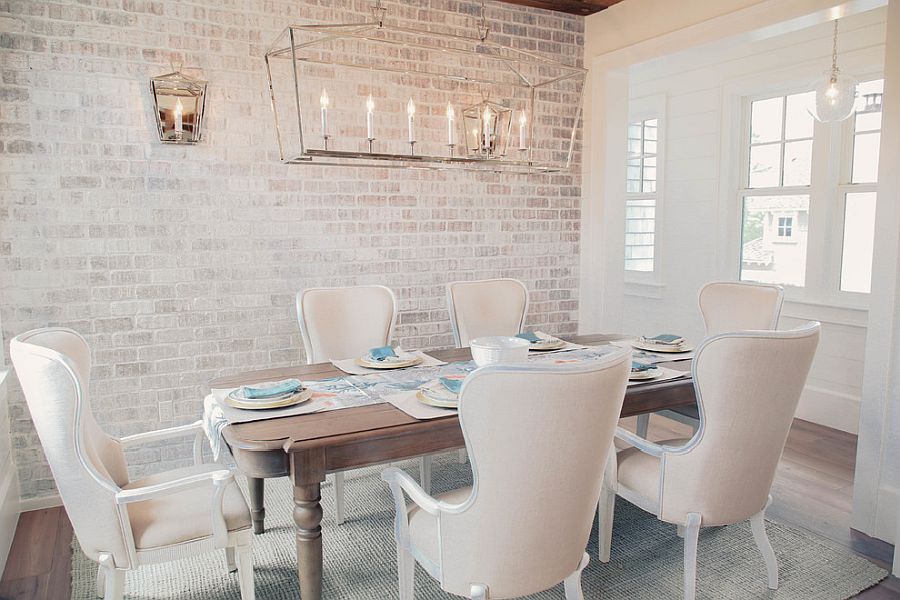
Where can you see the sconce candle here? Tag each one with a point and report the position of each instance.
(370, 118)
(179, 119)
(522, 121)
(411, 111)
(486, 126)
(451, 115)
(324, 102)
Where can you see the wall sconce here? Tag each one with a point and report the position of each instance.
(178, 101)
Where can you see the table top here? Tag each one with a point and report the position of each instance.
(351, 424)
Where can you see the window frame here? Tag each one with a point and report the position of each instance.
(640, 110)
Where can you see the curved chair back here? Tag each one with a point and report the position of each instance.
(486, 307)
(345, 322)
(748, 385)
(737, 305)
(53, 365)
(538, 439)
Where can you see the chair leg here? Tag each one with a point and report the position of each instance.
(113, 579)
(230, 564)
(758, 526)
(679, 531)
(339, 507)
(605, 515)
(406, 572)
(101, 581)
(572, 583)
(691, 538)
(479, 592)
(463, 456)
(643, 424)
(425, 473)
(244, 559)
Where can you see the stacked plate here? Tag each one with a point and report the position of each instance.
(641, 372)
(240, 398)
(435, 393)
(403, 359)
(542, 342)
(662, 343)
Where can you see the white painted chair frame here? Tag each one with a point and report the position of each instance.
(110, 575)
(313, 357)
(402, 486)
(643, 421)
(690, 529)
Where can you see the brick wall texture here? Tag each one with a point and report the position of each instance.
(180, 264)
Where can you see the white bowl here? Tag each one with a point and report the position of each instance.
(495, 349)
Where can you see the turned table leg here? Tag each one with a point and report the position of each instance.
(308, 472)
(257, 505)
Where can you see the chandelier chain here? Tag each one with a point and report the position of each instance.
(483, 28)
(834, 67)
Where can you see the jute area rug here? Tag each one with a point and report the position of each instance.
(360, 557)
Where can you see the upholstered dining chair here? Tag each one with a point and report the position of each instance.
(347, 322)
(538, 439)
(123, 523)
(748, 385)
(727, 306)
(486, 307)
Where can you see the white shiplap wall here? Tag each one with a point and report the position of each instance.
(697, 206)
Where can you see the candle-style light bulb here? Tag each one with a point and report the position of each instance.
(323, 101)
(179, 111)
(411, 111)
(486, 125)
(370, 118)
(451, 115)
(523, 121)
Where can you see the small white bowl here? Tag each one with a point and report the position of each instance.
(495, 349)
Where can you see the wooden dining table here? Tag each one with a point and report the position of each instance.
(307, 447)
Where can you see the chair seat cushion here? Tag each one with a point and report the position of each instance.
(639, 471)
(182, 516)
(423, 527)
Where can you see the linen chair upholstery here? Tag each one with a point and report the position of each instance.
(728, 306)
(538, 438)
(121, 523)
(345, 322)
(748, 386)
(486, 307)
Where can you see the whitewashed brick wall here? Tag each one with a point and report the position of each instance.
(180, 264)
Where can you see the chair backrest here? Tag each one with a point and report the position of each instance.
(748, 385)
(737, 305)
(345, 322)
(538, 438)
(53, 365)
(486, 307)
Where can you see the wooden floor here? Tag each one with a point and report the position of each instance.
(813, 489)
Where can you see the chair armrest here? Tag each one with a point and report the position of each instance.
(640, 443)
(400, 482)
(195, 429)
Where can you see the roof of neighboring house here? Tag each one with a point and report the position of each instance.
(755, 253)
(760, 203)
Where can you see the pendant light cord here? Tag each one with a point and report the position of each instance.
(834, 67)
(483, 28)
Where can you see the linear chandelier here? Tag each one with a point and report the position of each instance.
(382, 95)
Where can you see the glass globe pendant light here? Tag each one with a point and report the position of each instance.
(836, 94)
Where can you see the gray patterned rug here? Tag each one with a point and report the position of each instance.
(361, 561)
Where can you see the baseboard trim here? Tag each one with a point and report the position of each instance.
(829, 408)
(28, 504)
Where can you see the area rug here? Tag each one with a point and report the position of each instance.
(361, 561)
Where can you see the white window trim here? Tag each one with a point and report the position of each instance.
(829, 160)
(640, 283)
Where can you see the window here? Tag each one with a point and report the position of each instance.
(858, 193)
(776, 189)
(785, 224)
(640, 201)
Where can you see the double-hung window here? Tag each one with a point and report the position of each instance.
(641, 195)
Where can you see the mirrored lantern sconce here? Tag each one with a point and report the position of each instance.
(178, 101)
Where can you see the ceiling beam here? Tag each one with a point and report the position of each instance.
(574, 7)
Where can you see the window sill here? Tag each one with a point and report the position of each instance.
(851, 316)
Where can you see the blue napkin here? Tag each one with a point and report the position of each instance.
(454, 385)
(282, 387)
(637, 367)
(665, 338)
(529, 336)
(382, 353)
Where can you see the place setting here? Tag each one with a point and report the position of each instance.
(646, 373)
(386, 358)
(665, 347)
(545, 343)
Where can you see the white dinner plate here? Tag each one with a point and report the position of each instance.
(550, 343)
(670, 350)
(391, 362)
(257, 404)
(644, 375)
(440, 402)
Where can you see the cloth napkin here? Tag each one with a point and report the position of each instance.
(454, 385)
(529, 336)
(665, 339)
(382, 353)
(637, 367)
(270, 391)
